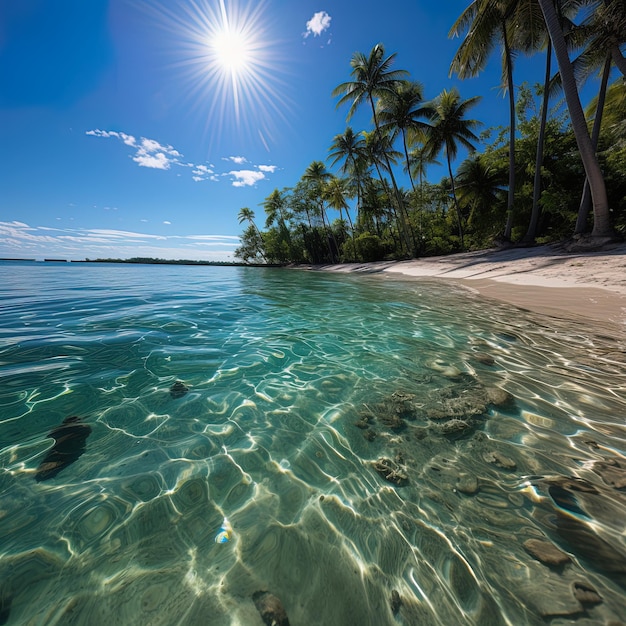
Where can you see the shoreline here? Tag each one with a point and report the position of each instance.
(543, 279)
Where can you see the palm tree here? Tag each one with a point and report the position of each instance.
(317, 175)
(247, 215)
(373, 78)
(379, 152)
(275, 206)
(349, 146)
(400, 111)
(336, 194)
(420, 158)
(488, 22)
(449, 129)
(601, 223)
(480, 188)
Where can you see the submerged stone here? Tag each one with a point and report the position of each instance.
(69, 445)
(499, 460)
(485, 359)
(395, 601)
(612, 472)
(178, 389)
(585, 593)
(270, 608)
(467, 484)
(546, 552)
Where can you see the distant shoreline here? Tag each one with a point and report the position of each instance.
(146, 262)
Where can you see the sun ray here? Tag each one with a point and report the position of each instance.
(229, 64)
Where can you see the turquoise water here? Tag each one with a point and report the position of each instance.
(383, 449)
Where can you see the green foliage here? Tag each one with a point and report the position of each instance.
(369, 247)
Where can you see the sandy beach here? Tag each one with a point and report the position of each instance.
(545, 279)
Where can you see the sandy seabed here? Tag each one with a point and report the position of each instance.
(544, 279)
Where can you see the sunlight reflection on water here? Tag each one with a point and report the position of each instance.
(386, 451)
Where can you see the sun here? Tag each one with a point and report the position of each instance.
(232, 51)
(230, 63)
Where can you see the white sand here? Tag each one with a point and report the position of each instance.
(544, 278)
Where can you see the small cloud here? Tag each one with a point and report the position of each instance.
(166, 222)
(202, 172)
(156, 161)
(318, 24)
(267, 168)
(246, 178)
(149, 152)
(239, 160)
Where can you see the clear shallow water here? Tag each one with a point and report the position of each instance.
(490, 427)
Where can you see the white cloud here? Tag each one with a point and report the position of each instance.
(239, 160)
(246, 178)
(149, 152)
(166, 222)
(18, 239)
(152, 154)
(156, 161)
(318, 24)
(202, 172)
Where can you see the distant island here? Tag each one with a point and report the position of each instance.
(153, 261)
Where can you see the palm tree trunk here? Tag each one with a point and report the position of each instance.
(405, 228)
(601, 217)
(531, 233)
(511, 89)
(258, 232)
(329, 230)
(456, 202)
(618, 59)
(408, 161)
(585, 201)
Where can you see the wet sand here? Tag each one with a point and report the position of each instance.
(544, 279)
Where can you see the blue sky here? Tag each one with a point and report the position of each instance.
(142, 127)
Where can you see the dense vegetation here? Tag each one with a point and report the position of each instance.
(553, 173)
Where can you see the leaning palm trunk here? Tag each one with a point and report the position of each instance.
(531, 233)
(585, 201)
(511, 88)
(618, 59)
(601, 218)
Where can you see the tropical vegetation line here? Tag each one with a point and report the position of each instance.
(557, 172)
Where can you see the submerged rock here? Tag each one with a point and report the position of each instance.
(482, 357)
(271, 608)
(395, 601)
(546, 552)
(69, 445)
(391, 472)
(467, 484)
(585, 593)
(178, 389)
(499, 460)
(612, 472)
